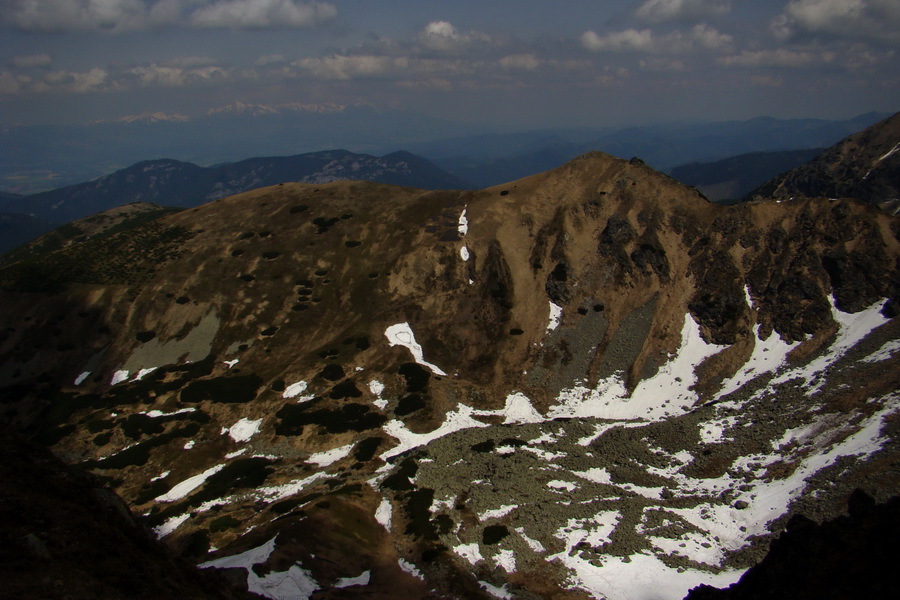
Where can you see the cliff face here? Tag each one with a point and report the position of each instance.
(590, 381)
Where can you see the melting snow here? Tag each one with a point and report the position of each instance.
(506, 559)
(231, 363)
(142, 373)
(401, 334)
(533, 544)
(80, 379)
(463, 227)
(293, 584)
(496, 592)
(154, 414)
(243, 430)
(768, 355)
(852, 328)
(470, 552)
(295, 389)
(464, 253)
(456, 420)
(883, 353)
(275, 493)
(170, 525)
(189, 444)
(410, 568)
(609, 400)
(345, 582)
(329, 457)
(555, 316)
(497, 512)
(518, 409)
(384, 513)
(119, 377)
(187, 486)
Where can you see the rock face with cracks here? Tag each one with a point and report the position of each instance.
(619, 388)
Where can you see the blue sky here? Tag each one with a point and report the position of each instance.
(513, 64)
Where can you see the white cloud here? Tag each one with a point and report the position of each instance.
(122, 16)
(344, 67)
(442, 36)
(780, 57)
(80, 83)
(658, 11)
(873, 20)
(169, 76)
(258, 14)
(30, 61)
(527, 62)
(677, 42)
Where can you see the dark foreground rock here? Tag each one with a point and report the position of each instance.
(63, 535)
(852, 556)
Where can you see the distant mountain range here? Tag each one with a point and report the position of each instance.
(730, 179)
(40, 158)
(170, 182)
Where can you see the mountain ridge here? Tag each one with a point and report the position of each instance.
(590, 381)
(177, 183)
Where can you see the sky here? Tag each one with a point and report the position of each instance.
(523, 64)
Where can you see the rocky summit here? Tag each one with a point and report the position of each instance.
(587, 383)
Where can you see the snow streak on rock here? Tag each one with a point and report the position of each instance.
(401, 334)
(294, 584)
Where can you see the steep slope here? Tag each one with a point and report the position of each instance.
(730, 179)
(590, 382)
(865, 166)
(65, 536)
(847, 557)
(175, 183)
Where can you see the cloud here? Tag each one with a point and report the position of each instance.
(123, 16)
(659, 11)
(79, 82)
(442, 36)
(262, 14)
(645, 41)
(30, 61)
(873, 20)
(780, 57)
(527, 62)
(343, 67)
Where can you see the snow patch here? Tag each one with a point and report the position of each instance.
(402, 334)
(295, 389)
(664, 395)
(555, 317)
(329, 457)
(119, 377)
(496, 592)
(497, 512)
(456, 420)
(80, 379)
(243, 430)
(361, 579)
(883, 353)
(470, 552)
(464, 253)
(463, 226)
(143, 373)
(410, 568)
(384, 513)
(293, 584)
(187, 486)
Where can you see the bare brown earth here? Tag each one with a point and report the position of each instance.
(299, 282)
